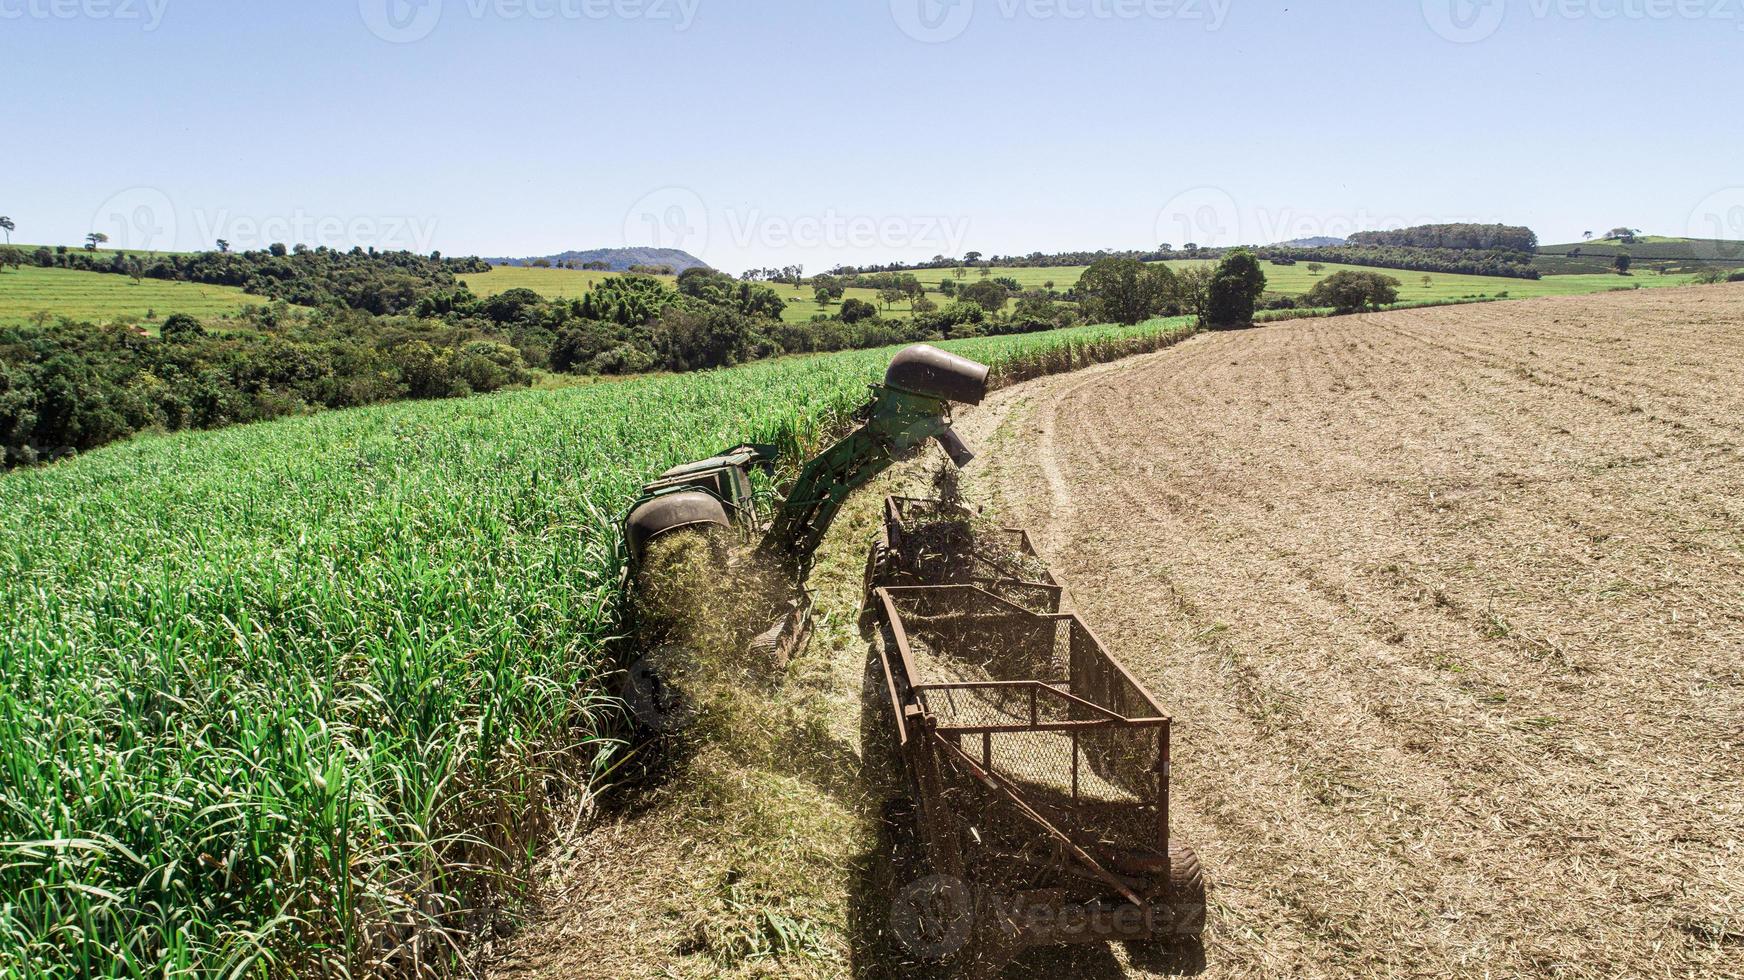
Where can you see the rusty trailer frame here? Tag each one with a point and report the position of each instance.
(1043, 785)
(892, 560)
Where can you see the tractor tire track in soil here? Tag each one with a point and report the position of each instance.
(1450, 614)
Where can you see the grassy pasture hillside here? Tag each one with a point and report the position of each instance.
(571, 284)
(802, 305)
(550, 283)
(104, 297)
(1654, 246)
(1296, 279)
(272, 696)
(1684, 254)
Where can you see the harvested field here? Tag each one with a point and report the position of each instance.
(1449, 608)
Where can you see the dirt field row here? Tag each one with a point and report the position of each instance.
(1449, 608)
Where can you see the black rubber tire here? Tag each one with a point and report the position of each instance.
(1186, 889)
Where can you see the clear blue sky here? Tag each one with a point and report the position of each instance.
(822, 131)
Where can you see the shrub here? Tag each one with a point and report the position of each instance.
(855, 310)
(487, 366)
(989, 294)
(181, 327)
(1352, 292)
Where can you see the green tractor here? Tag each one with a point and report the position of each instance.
(911, 407)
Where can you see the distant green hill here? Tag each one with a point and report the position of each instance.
(614, 259)
(1597, 255)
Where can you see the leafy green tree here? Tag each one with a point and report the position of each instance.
(1509, 238)
(512, 305)
(856, 310)
(1623, 263)
(94, 239)
(823, 296)
(1124, 290)
(12, 257)
(987, 294)
(1352, 292)
(1192, 291)
(7, 226)
(1315, 268)
(1235, 289)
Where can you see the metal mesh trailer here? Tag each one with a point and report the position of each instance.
(1036, 770)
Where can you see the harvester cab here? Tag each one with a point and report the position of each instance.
(911, 407)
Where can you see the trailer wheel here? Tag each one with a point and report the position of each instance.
(881, 572)
(1183, 953)
(1186, 890)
